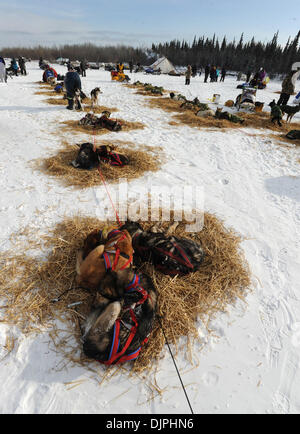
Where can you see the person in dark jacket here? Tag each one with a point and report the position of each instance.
(83, 67)
(131, 66)
(223, 74)
(72, 84)
(194, 70)
(206, 72)
(213, 74)
(288, 87)
(22, 66)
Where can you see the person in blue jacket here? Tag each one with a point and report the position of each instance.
(14, 66)
(72, 83)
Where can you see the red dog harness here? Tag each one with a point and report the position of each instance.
(113, 159)
(116, 356)
(181, 257)
(117, 252)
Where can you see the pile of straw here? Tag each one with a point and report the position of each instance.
(74, 127)
(188, 117)
(143, 159)
(29, 284)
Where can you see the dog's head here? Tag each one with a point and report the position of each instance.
(106, 114)
(132, 227)
(114, 283)
(272, 103)
(87, 158)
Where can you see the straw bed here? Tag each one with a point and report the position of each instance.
(188, 117)
(28, 284)
(143, 159)
(74, 127)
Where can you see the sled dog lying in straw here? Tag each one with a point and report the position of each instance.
(89, 156)
(294, 135)
(95, 95)
(122, 318)
(100, 255)
(103, 122)
(51, 80)
(177, 97)
(169, 254)
(228, 116)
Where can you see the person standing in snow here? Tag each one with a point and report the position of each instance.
(14, 66)
(213, 74)
(288, 87)
(22, 66)
(206, 73)
(223, 74)
(83, 67)
(3, 77)
(188, 75)
(72, 83)
(194, 70)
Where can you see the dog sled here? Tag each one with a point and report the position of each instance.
(119, 76)
(246, 99)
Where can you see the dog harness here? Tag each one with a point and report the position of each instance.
(117, 252)
(181, 258)
(113, 159)
(116, 356)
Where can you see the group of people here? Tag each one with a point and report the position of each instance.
(210, 71)
(15, 68)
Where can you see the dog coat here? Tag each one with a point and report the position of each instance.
(171, 256)
(118, 355)
(116, 251)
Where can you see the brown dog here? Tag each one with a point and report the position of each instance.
(94, 260)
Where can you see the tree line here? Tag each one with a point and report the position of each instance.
(87, 51)
(235, 55)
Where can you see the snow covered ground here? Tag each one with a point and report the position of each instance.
(249, 180)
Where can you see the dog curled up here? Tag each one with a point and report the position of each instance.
(122, 318)
(103, 121)
(89, 156)
(169, 254)
(100, 254)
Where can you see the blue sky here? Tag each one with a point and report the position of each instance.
(140, 22)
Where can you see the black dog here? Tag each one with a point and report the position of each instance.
(290, 111)
(294, 135)
(89, 157)
(169, 254)
(276, 113)
(121, 319)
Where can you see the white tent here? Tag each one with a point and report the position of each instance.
(164, 65)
